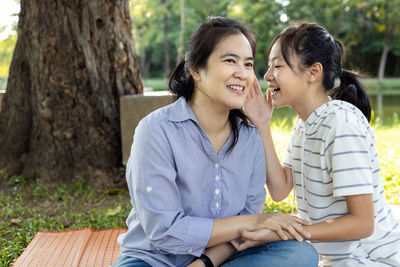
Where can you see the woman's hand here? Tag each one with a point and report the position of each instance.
(253, 238)
(281, 224)
(272, 227)
(256, 107)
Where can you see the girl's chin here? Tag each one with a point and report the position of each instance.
(276, 104)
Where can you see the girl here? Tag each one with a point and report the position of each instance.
(197, 164)
(331, 160)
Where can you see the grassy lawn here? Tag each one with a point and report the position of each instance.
(27, 206)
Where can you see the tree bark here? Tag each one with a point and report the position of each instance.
(60, 116)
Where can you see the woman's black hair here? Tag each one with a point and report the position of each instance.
(200, 46)
(312, 43)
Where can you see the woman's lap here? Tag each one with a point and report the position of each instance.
(131, 262)
(280, 253)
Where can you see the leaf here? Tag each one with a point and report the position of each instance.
(113, 212)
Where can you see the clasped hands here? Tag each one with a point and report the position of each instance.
(268, 227)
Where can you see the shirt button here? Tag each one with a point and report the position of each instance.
(216, 165)
(190, 250)
(217, 178)
(217, 191)
(217, 205)
(148, 189)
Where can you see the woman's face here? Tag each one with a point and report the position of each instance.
(288, 85)
(229, 73)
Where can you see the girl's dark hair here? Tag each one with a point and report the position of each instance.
(312, 43)
(200, 46)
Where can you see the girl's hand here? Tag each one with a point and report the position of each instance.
(256, 108)
(281, 224)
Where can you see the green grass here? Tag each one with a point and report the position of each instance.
(27, 206)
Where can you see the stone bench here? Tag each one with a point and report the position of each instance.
(132, 109)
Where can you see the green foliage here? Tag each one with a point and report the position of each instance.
(6, 51)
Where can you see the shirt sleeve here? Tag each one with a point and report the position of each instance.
(151, 177)
(256, 192)
(348, 159)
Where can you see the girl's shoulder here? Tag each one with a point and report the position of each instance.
(343, 116)
(342, 112)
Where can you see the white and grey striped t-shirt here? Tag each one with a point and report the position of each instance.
(333, 155)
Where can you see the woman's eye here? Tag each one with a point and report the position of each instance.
(230, 60)
(249, 64)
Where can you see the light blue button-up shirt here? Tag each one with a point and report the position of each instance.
(178, 185)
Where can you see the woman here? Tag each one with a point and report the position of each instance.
(197, 164)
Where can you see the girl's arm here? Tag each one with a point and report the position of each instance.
(357, 224)
(259, 111)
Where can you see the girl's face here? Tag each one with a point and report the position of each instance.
(288, 85)
(229, 73)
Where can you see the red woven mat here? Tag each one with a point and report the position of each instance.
(81, 247)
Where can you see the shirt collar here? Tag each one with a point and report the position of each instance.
(317, 113)
(183, 112)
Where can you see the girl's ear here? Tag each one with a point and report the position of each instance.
(315, 71)
(195, 74)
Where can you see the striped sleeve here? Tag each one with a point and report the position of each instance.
(348, 160)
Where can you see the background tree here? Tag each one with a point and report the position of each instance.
(72, 62)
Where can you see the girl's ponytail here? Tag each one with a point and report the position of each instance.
(351, 90)
(181, 82)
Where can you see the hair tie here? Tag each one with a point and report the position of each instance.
(340, 73)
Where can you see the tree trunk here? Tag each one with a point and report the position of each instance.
(166, 46)
(60, 116)
(181, 32)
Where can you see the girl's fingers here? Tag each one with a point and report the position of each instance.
(299, 229)
(303, 222)
(257, 88)
(295, 234)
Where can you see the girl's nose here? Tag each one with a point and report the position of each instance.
(268, 76)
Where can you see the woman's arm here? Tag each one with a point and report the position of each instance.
(217, 255)
(259, 111)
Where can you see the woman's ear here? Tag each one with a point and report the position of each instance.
(195, 74)
(315, 71)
